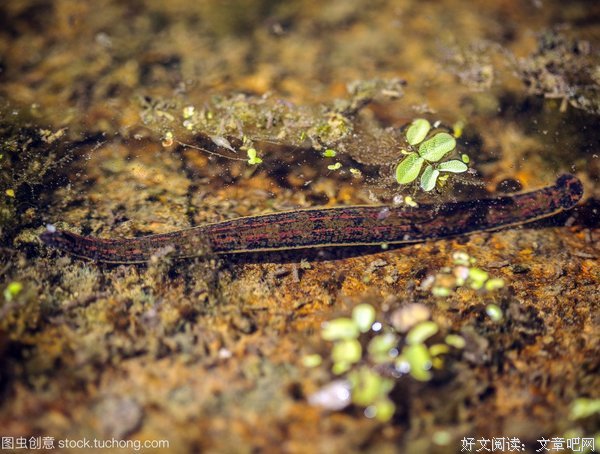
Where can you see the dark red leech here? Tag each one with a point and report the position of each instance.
(341, 226)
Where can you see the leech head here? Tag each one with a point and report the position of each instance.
(571, 190)
(326, 227)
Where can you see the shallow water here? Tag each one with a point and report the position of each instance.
(130, 118)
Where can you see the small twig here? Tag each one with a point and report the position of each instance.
(213, 153)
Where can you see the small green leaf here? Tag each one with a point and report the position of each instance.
(347, 351)
(418, 358)
(584, 407)
(457, 128)
(417, 131)
(313, 360)
(456, 341)
(494, 284)
(380, 346)
(478, 277)
(454, 166)
(329, 153)
(438, 349)
(340, 368)
(12, 290)
(429, 178)
(461, 258)
(363, 316)
(384, 409)
(421, 332)
(252, 158)
(188, 111)
(368, 386)
(442, 292)
(494, 312)
(336, 166)
(437, 147)
(410, 202)
(409, 168)
(339, 328)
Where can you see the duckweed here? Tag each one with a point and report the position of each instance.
(368, 386)
(478, 277)
(380, 347)
(253, 159)
(456, 341)
(494, 284)
(457, 128)
(438, 349)
(464, 273)
(461, 258)
(584, 407)
(340, 328)
(346, 352)
(12, 290)
(454, 166)
(313, 360)
(417, 131)
(364, 316)
(364, 363)
(421, 332)
(437, 147)
(494, 312)
(410, 202)
(441, 292)
(429, 152)
(429, 178)
(382, 410)
(418, 358)
(408, 170)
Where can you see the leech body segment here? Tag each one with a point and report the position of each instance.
(324, 227)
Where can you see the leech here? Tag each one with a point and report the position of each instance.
(325, 227)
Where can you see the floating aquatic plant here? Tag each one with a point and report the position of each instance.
(583, 407)
(421, 332)
(340, 328)
(364, 349)
(364, 317)
(494, 312)
(463, 274)
(12, 290)
(253, 159)
(367, 355)
(427, 155)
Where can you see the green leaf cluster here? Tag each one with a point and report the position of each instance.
(369, 388)
(428, 153)
(464, 274)
(253, 159)
(360, 359)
